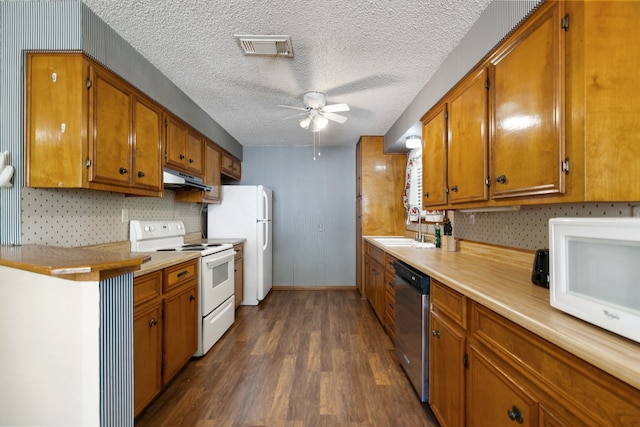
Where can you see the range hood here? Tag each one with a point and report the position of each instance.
(174, 179)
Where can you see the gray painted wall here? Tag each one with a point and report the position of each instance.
(497, 20)
(308, 195)
(70, 25)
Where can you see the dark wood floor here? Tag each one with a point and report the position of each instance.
(300, 358)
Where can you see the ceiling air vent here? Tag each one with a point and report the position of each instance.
(265, 45)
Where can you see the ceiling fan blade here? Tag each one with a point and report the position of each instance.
(335, 108)
(295, 108)
(335, 117)
(295, 115)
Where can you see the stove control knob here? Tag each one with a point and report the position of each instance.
(179, 226)
(148, 228)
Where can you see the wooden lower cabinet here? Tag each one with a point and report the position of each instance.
(147, 355)
(447, 346)
(180, 330)
(164, 328)
(494, 397)
(238, 273)
(487, 371)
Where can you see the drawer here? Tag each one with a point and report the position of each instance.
(147, 287)
(389, 264)
(445, 300)
(180, 274)
(376, 253)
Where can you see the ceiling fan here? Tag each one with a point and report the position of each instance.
(316, 114)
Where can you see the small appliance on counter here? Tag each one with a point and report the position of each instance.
(594, 268)
(540, 271)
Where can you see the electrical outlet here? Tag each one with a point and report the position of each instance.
(125, 215)
(320, 228)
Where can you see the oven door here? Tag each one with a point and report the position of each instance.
(216, 280)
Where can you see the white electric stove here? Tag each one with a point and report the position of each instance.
(216, 308)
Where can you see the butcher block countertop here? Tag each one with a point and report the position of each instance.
(70, 263)
(506, 289)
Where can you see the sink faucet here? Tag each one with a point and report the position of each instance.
(419, 236)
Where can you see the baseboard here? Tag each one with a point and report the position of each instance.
(314, 288)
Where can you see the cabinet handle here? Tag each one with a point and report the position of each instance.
(435, 333)
(140, 174)
(153, 322)
(181, 156)
(515, 414)
(192, 297)
(123, 171)
(426, 194)
(191, 160)
(184, 273)
(501, 179)
(454, 188)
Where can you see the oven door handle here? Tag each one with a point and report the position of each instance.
(216, 261)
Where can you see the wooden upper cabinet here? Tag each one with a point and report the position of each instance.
(468, 139)
(176, 136)
(109, 129)
(603, 54)
(83, 129)
(194, 154)
(147, 144)
(434, 157)
(212, 161)
(231, 167)
(527, 75)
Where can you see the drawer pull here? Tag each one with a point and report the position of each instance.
(153, 322)
(181, 156)
(184, 273)
(140, 174)
(123, 171)
(191, 297)
(502, 179)
(515, 414)
(435, 333)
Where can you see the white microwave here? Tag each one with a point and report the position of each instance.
(594, 271)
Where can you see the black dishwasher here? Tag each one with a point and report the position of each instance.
(412, 325)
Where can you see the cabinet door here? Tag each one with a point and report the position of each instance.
(212, 157)
(180, 329)
(176, 143)
(147, 354)
(147, 145)
(56, 120)
(110, 130)
(434, 152)
(377, 285)
(194, 154)
(528, 90)
(467, 153)
(494, 398)
(446, 376)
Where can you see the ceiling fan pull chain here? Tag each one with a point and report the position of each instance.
(319, 154)
(314, 145)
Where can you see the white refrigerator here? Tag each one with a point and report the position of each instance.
(246, 212)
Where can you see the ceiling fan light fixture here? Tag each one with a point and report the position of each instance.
(413, 141)
(321, 121)
(305, 122)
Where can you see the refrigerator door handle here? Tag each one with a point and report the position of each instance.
(265, 205)
(265, 231)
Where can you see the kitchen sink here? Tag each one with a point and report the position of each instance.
(402, 241)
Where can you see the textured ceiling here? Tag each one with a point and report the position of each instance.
(374, 55)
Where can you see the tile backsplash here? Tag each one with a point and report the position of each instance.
(69, 218)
